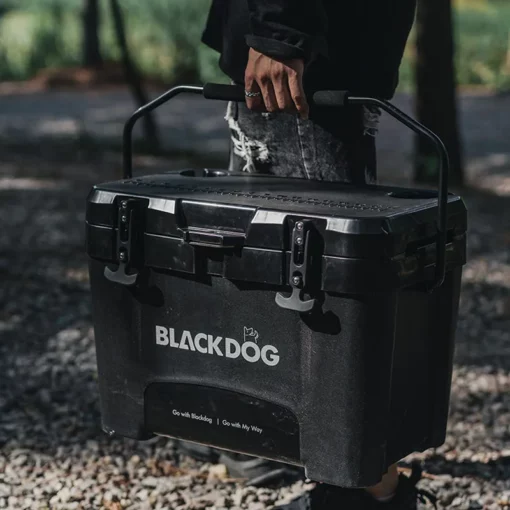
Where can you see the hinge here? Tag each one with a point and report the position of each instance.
(298, 269)
(129, 242)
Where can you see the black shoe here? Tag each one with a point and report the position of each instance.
(327, 497)
(258, 472)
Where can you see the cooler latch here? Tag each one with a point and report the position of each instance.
(128, 242)
(213, 238)
(298, 269)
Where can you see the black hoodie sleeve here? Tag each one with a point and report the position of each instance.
(286, 29)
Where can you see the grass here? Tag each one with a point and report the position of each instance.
(482, 37)
(165, 39)
(483, 44)
(164, 36)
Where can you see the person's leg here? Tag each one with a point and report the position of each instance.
(333, 145)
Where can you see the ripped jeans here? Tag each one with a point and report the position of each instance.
(333, 145)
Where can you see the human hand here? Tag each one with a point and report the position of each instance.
(278, 84)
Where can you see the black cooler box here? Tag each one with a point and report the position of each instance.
(307, 322)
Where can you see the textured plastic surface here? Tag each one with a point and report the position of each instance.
(330, 98)
(345, 390)
(224, 92)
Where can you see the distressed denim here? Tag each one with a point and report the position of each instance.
(332, 145)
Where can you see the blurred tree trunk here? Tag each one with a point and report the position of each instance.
(133, 77)
(91, 45)
(55, 42)
(436, 101)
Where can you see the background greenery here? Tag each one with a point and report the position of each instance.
(164, 36)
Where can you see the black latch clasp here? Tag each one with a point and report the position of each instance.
(298, 270)
(127, 226)
(213, 238)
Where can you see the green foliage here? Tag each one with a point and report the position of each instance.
(164, 36)
(483, 44)
(482, 36)
(29, 40)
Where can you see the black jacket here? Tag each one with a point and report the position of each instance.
(355, 45)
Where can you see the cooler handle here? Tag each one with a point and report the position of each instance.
(322, 98)
(342, 98)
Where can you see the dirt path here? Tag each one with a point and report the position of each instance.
(194, 124)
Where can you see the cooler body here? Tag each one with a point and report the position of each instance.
(200, 347)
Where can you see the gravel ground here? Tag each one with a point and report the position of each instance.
(52, 452)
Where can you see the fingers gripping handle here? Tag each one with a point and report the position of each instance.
(236, 93)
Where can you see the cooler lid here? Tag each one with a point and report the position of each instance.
(369, 222)
(259, 228)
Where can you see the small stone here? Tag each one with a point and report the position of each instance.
(256, 506)
(135, 460)
(19, 461)
(250, 498)
(218, 471)
(447, 499)
(220, 501)
(142, 495)
(150, 482)
(113, 505)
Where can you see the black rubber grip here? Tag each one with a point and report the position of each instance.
(331, 98)
(224, 92)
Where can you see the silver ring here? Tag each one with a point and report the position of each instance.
(247, 93)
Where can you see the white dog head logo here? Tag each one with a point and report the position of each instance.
(250, 334)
